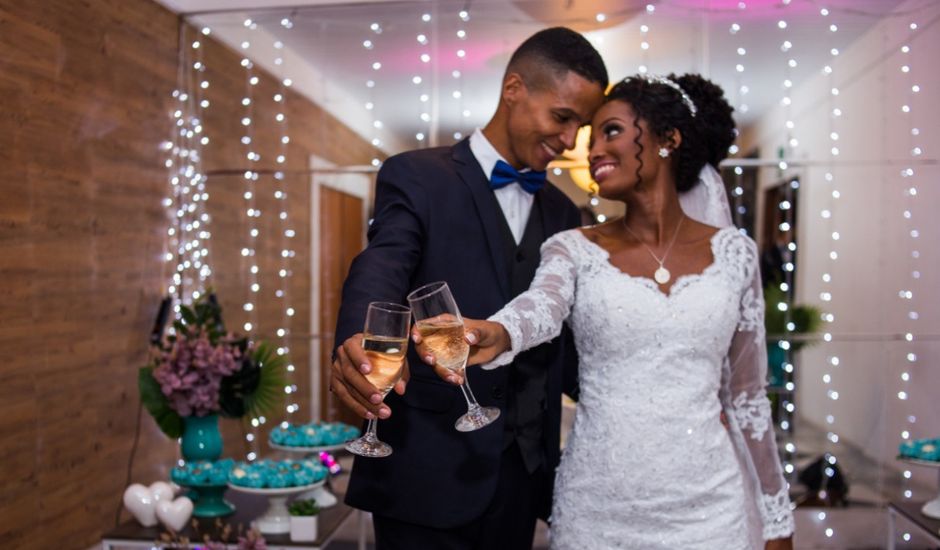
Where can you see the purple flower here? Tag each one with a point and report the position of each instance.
(190, 372)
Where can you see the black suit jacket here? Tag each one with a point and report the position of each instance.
(436, 219)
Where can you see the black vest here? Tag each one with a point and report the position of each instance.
(527, 376)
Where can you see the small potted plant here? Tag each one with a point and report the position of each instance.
(303, 520)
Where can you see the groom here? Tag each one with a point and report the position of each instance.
(473, 215)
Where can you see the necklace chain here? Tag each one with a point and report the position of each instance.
(650, 250)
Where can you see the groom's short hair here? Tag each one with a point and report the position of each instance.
(550, 53)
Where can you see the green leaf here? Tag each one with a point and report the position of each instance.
(303, 508)
(268, 396)
(189, 317)
(208, 314)
(236, 386)
(153, 399)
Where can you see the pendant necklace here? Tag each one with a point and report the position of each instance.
(662, 274)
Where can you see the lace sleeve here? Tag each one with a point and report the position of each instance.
(750, 407)
(537, 315)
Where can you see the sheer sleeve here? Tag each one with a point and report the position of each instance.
(538, 314)
(750, 408)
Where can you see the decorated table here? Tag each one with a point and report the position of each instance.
(248, 508)
(199, 372)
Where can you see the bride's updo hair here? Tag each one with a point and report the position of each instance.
(706, 137)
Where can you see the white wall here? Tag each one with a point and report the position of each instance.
(875, 247)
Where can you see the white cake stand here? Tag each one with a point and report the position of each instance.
(276, 519)
(322, 495)
(931, 509)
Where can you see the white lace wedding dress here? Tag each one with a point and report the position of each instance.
(649, 463)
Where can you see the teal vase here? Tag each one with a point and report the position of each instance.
(202, 441)
(209, 501)
(201, 438)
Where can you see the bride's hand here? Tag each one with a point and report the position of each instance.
(779, 544)
(487, 340)
(426, 355)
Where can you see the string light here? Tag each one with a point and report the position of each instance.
(461, 55)
(200, 225)
(742, 89)
(833, 360)
(424, 99)
(457, 74)
(172, 202)
(282, 292)
(786, 228)
(739, 208)
(906, 295)
(643, 68)
(376, 64)
(248, 252)
(186, 250)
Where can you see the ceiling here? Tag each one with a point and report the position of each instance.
(324, 53)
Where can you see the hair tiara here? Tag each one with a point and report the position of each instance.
(659, 79)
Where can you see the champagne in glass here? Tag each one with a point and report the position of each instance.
(446, 338)
(387, 356)
(385, 341)
(441, 327)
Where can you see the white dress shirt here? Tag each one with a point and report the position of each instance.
(514, 201)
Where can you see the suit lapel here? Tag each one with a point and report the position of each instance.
(470, 173)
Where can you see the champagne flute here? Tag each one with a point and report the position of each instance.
(385, 341)
(441, 328)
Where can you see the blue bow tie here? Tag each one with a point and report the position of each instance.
(504, 174)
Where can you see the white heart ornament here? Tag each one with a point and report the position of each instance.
(139, 501)
(174, 515)
(161, 490)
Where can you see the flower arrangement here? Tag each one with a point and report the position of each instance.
(190, 372)
(199, 369)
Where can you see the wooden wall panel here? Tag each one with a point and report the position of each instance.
(85, 94)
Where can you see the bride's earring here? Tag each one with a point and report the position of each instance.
(663, 152)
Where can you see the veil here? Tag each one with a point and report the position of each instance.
(707, 202)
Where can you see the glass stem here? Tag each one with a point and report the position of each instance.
(468, 395)
(370, 431)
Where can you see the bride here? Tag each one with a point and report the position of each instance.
(667, 312)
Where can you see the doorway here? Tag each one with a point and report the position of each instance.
(341, 202)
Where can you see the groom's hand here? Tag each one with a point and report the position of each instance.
(348, 381)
